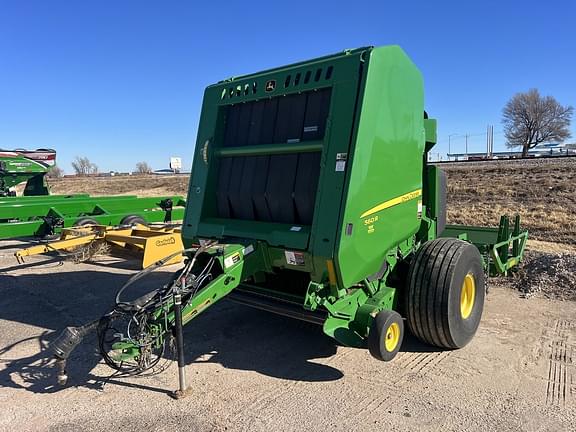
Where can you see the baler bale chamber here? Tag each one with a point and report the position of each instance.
(311, 197)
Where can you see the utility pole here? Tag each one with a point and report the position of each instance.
(489, 141)
(449, 148)
(466, 147)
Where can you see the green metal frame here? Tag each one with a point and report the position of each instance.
(502, 250)
(32, 216)
(19, 169)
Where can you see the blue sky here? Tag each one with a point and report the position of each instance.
(122, 81)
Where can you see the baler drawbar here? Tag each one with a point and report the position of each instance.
(311, 197)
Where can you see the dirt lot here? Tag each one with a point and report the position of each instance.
(253, 371)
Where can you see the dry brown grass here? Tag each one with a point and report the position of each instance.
(542, 191)
(141, 185)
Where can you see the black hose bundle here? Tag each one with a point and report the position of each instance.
(133, 316)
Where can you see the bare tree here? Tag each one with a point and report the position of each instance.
(83, 166)
(530, 119)
(55, 172)
(143, 168)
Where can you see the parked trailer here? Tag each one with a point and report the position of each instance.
(47, 215)
(37, 213)
(311, 197)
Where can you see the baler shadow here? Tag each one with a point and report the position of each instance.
(249, 339)
(237, 337)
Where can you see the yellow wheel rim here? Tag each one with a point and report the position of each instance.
(467, 296)
(392, 337)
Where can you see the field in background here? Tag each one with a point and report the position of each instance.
(141, 185)
(542, 191)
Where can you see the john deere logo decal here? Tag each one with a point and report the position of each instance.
(270, 85)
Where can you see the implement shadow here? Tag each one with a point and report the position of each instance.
(234, 336)
(243, 338)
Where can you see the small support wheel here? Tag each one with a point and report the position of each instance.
(386, 335)
(85, 221)
(133, 220)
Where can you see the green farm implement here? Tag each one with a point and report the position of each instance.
(30, 166)
(37, 213)
(311, 197)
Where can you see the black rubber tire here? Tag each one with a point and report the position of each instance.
(133, 220)
(378, 331)
(83, 221)
(435, 284)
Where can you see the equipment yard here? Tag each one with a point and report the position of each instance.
(265, 372)
(255, 371)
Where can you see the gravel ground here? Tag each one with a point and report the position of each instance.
(253, 371)
(551, 274)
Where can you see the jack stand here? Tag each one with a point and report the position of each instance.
(184, 390)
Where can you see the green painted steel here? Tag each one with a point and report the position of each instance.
(387, 156)
(39, 216)
(16, 168)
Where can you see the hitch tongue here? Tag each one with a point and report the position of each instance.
(64, 344)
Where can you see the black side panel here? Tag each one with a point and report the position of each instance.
(242, 201)
(262, 213)
(290, 121)
(276, 188)
(282, 119)
(256, 123)
(232, 118)
(234, 194)
(222, 188)
(317, 108)
(268, 121)
(281, 176)
(244, 120)
(305, 186)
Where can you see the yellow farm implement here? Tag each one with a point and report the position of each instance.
(149, 242)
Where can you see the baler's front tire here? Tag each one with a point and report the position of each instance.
(446, 290)
(386, 335)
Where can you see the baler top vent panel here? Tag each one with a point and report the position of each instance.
(289, 81)
(283, 119)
